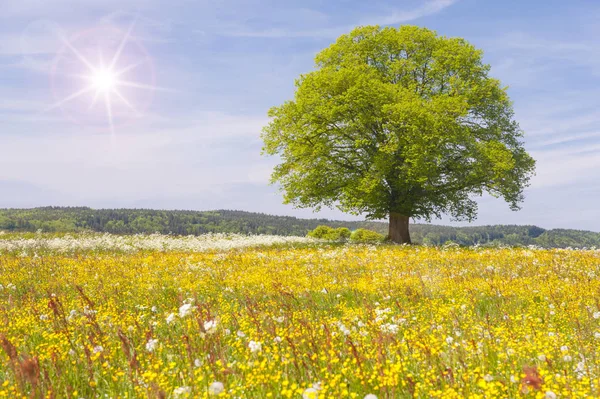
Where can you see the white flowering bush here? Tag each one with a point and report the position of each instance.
(142, 242)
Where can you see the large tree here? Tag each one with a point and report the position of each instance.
(399, 123)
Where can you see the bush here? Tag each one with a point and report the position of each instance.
(329, 233)
(364, 235)
(343, 233)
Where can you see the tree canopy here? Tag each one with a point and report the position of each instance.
(399, 123)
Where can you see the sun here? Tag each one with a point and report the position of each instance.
(103, 80)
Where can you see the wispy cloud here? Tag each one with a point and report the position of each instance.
(399, 16)
(529, 59)
(188, 157)
(393, 16)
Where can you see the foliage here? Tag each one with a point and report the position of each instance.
(148, 221)
(342, 322)
(398, 122)
(329, 233)
(364, 235)
(65, 220)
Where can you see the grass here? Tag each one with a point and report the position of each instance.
(315, 321)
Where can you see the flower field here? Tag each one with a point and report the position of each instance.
(295, 321)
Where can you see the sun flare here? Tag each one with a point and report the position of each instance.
(106, 83)
(103, 80)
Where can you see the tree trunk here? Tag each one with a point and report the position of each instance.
(398, 232)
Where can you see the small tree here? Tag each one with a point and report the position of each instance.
(398, 123)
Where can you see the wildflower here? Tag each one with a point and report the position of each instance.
(310, 393)
(580, 370)
(542, 358)
(177, 392)
(567, 358)
(151, 345)
(370, 396)
(185, 310)
(98, 349)
(43, 317)
(343, 329)
(170, 318)
(254, 346)
(89, 312)
(278, 339)
(390, 328)
(197, 363)
(279, 319)
(564, 348)
(210, 326)
(488, 378)
(550, 395)
(597, 335)
(449, 340)
(240, 334)
(216, 388)
(596, 315)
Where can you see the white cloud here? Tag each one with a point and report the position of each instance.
(528, 60)
(393, 17)
(400, 16)
(204, 152)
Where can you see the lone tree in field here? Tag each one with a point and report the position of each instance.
(399, 123)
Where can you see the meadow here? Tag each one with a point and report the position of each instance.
(88, 316)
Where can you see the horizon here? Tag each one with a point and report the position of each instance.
(190, 136)
(421, 223)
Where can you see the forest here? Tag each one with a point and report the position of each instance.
(146, 221)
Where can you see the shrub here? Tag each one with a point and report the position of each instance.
(343, 233)
(320, 232)
(329, 233)
(364, 235)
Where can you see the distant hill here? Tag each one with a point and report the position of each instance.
(132, 221)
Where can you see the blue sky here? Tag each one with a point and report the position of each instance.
(223, 63)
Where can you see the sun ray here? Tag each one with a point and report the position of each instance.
(111, 124)
(126, 102)
(130, 67)
(124, 41)
(94, 100)
(70, 98)
(101, 57)
(140, 86)
(77, 53)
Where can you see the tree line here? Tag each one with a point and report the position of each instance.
(146, 221)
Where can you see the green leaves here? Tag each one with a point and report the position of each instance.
(398, 121)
